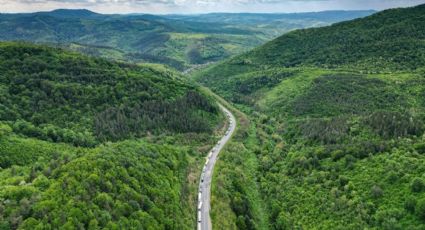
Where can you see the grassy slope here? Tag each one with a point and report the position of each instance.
(340, 147)
(56, 170)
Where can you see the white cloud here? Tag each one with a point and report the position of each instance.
(201, 6)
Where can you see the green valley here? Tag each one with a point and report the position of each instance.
(176, 41)
(267, 121)
(337, 114)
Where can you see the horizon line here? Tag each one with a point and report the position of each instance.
(212, 12)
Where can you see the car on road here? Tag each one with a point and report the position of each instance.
(201, 208)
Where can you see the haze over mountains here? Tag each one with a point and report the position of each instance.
(175, 40)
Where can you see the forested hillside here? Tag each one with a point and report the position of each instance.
(66, 97)
(177, 41)
(87, 143)
(339, 116)
(388, 41)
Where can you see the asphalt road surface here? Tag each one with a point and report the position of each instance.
(204, 192)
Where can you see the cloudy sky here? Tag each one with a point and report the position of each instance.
(201, 6)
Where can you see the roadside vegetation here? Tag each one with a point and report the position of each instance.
(143, 183)
(93, 144)
(339, 145)
(330, 135)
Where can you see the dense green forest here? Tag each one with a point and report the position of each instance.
(87, 143)
(337, 121)
(387, 41)
(331, 133)
(65, 97)
(176, 41)
(139, 184)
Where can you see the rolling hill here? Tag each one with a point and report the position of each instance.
(334, 136)
(90, 143)
(389, 40)
(46, 89)
(177, 41)
(337, 133)
(273, 25)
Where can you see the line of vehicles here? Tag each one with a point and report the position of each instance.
(204, 170)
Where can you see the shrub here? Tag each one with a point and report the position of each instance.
(417, 185)
(283, 221)
(420, 147)
(420, 210)
(410, 204)
(377, 192)
(5, 129)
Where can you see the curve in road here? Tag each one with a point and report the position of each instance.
(204, 192)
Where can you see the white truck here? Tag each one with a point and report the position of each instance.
(200, 206)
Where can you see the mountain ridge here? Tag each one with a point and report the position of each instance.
(285, 50)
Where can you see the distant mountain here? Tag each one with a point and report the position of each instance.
(272, 25)
(66, 13)
(177, 41)
(255, 18)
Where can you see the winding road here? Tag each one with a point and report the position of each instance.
(204, 193)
